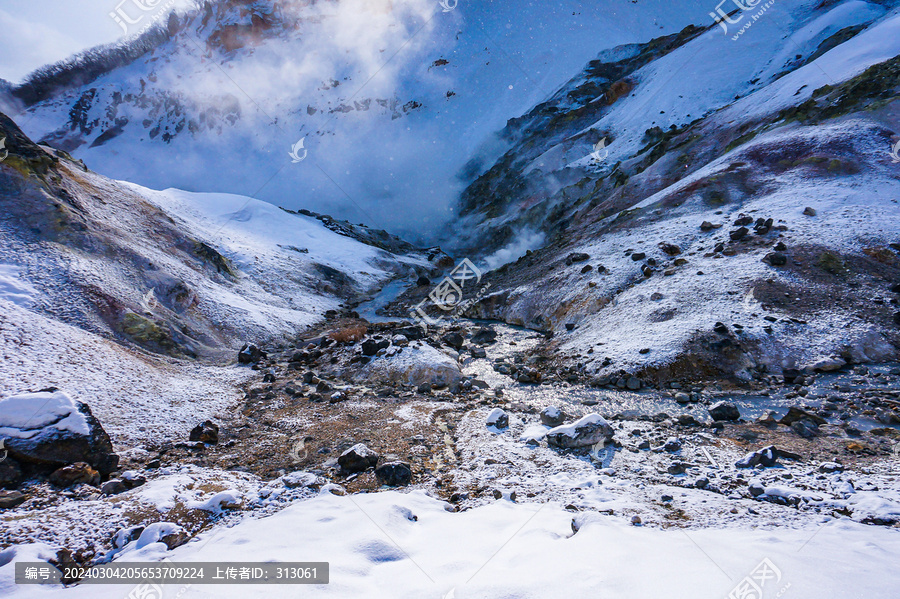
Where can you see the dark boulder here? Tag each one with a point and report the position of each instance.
(484, 336)
(250, 354)
(207, 432)
(394, 474)
(48, 429)
(357, 459)
(724, 411)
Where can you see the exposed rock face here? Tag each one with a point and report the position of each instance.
(50, 429)
(587, 431)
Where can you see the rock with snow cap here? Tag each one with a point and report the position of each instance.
(587, 431)
(49, 429)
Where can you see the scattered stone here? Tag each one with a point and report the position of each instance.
(701, 483)
(743, 220)
(586, 269)
(708, 226)
(477, 352)
(633, 383)
(570, 326)
(207, 432)
(357, 459)
(79, 473)
(484, 336)
(454, 340)
(805, 428)
(638, 256)
(636, 520)
(739, 234)
(370, 347)
(669, 249)
(766, 457)
(497, 418)
(675, 468)
(808, 211)
(423, 281)
(11, 499)
(829, 364)
(767, 418)
(10, 473)
(756, 488)
(724, 411)
(682, 398)
(251, 354)
(795, 414)
(672, 445)
(394, 474)
(113, 487)
(829, 467)
(775, 259)
(552, 416)
(587, 431)
(576, 257)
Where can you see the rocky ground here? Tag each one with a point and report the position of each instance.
(476, 413)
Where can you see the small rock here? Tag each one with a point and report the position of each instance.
(357, 459)
(576, 257)
(682, 398)
(739, 234)
(766, 457)
(552, 416)
(633, 383)
(701, 483)
(423, 281)
(497, 418)
(638, 256)
(808, 211)
(454, 340)
(113, 487)
(794, 414)
(484, 336)
(776, 259)
(724, 411)
(394, 474)
(79, 473)
(207, 432)
(587, 431)
(708, 226)
(10, 499)
(675, 468)
(636, 520)
(672, 445)
(805, 428)
(829, 467)
(250, 354)
(829, 364)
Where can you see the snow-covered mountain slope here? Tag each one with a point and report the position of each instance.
(175, 273)
(391, 98)
(629, 159)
